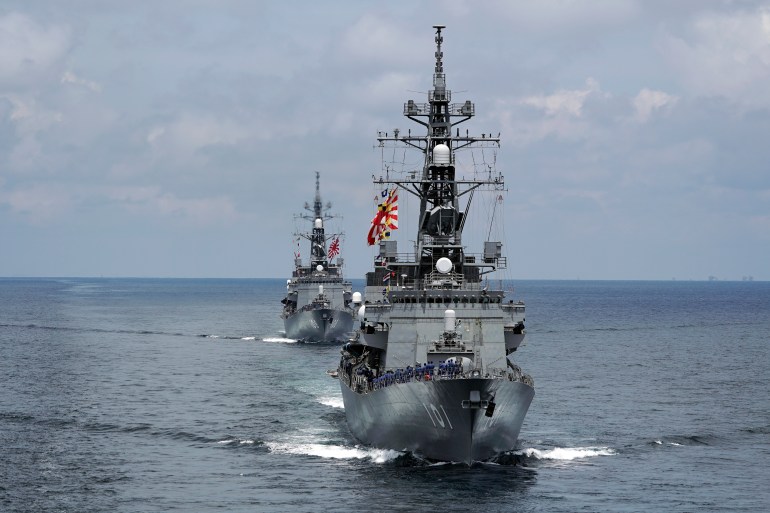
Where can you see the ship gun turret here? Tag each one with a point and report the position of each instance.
(450, 345)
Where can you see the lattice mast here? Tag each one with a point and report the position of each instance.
(441, 220)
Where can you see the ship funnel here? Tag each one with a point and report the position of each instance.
(356, 297)
(449, 320)
(441, 155)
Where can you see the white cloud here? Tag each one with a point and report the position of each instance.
(569, 102)
(200, 210)
(155, 133)
(28, 119)
(38, 203)
(44, 203)
(649, 101)
(29, 116)
(376, 39)
(189, 133)
(390, 89)
(566, 15)
(724, 54)
(151, 200)
(561, 114)
(70, 78)
(28, 51)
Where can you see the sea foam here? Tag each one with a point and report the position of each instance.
(334, 402)
(279, 340)
(336, 452)
(567, 453)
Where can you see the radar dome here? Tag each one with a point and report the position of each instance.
(443, 265)
(441, 154)
(356, 297)
(318, 223)
(319, 268)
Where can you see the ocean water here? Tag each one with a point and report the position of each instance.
(144, 395)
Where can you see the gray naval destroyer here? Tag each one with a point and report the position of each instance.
(429, 369)
(318, 306)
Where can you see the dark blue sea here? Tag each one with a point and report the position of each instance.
(155, 395)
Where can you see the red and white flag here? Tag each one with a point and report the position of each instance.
(334, 248)
(386, 219)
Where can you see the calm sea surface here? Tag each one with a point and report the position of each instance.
(181, 395)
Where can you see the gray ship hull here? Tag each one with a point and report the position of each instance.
(428, 417)
(319, 325)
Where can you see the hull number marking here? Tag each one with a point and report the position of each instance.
(438, 418)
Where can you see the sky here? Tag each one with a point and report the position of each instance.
(180, 138)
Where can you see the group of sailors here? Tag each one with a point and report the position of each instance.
(368, 378)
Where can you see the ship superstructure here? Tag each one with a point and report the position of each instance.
(318, 306)
(430, 368)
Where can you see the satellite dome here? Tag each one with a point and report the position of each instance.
(441, 154)
(443, 265)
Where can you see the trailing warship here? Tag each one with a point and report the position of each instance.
(318, 306)
(429, 368)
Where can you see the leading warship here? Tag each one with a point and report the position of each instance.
(429, 369)
(318, 306)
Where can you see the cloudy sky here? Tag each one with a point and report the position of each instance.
(179, 138)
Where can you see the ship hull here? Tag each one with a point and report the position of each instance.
(428, 417)
(319, 325)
